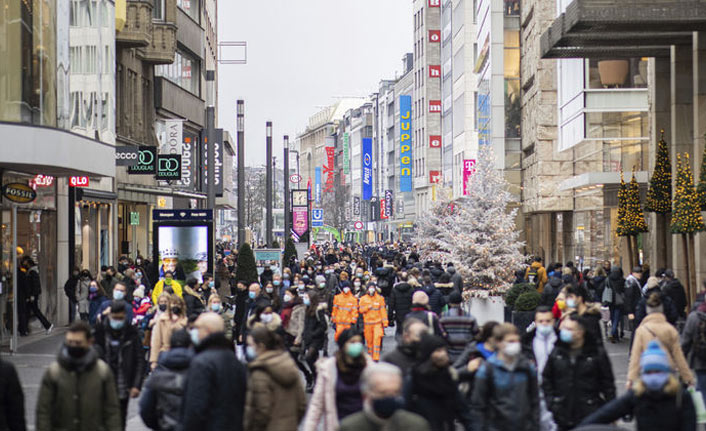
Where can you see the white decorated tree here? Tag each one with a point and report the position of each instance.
(433, 230)
(484, 240)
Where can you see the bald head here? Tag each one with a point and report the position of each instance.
(209, 323)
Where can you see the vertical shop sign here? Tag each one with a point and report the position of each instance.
(469, 167)
(317, 185)
(328, 170)
(405, 143)
(346, 153)
(367, 159)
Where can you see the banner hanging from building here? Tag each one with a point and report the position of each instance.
(317, 185)
(469, 167)
(300, 220)
(356, 206)
(405, 143)
(188, 161)
(346, 153)
(328, 169)
(367, 159)
(218, 146)
(389, 199)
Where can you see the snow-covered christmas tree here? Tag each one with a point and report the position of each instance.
(476, 232)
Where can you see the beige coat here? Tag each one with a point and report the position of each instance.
(162, 333)
(655, 326)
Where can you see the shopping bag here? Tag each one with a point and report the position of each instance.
(698, 400)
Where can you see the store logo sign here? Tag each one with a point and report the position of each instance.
(434, 36)
(126, 156)
(78, 181)
(435, 106)
(19, 193)
(434, 3)
(434, 71)
(146, 162)
(169, 167)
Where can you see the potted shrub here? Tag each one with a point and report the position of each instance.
(523, 311)
(511, 296)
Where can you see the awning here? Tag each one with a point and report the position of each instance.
(160, 191)
(596, 179)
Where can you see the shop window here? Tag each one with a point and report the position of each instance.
(602, 125)
(512, 7)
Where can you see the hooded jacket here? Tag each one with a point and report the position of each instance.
(669, 309)
(315, 327)
(275, 400)
(456, 278)
(400, 302)
(163, 392)
(214, 395)
(575, 388)
(690, 335)
(128, 358)
(12, 400)
(78, 394)
(436, 299)
(541, 275)
(551, 291)
(194, 303)
(675, 291)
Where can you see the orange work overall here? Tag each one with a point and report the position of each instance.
(375, 318)
(345, 312)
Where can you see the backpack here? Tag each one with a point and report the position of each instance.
(700, 340)
(532, 276)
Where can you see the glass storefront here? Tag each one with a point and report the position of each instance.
(28, 67)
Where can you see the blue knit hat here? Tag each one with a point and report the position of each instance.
(654, 358)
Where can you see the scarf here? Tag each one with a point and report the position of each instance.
(432, 382)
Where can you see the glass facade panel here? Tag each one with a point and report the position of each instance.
(191, 7)
(625, 155)
(601, 125)
(28, 66)
(622, 73)
(184, 72)
(512, 7)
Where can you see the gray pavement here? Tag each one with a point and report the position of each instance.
(38, 351)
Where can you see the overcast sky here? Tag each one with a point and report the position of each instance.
(302, 54)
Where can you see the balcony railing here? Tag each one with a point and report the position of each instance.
(138, 25)
(163, 45)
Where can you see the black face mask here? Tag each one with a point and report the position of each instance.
(176, 310)
(386, 407)
(76, 351)
(162, 307)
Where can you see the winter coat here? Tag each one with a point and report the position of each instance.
(616, 283)
(161, 286)
(82, 290)
(275, 400)
(669, 309)
(401, 420)
(194, 303)
(227, 317)
(70, 288)
(592, 316)
(322, 404)
(315, 327)
(435, 273)
(400, 302)
(575, 388)
(436, 299)
(78, 395)
(163, 392)
(441, 411)
(633, 294)
(456, 279)
(128, 358)
(108, 284)
(428, 318)
(652, 411)
(162, 333)
(505, 399)
(460, 328)
(386, 279)
(94, 308)
(444, 288)
(295, 325)
(12, 399)
(550, 292)
(674, 290)
(689, 336)
(541, 275)
(595, 288)
(214, 395)
(403, 357)
(653, 326)
(527, 341)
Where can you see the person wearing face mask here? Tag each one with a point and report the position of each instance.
(96, 298)
(345, 310)
(337, 390)
(293, 316)
(214, 394)
(372, 308)
(168, 322)
(78, 390)
(383, 404)
(83, 287)
(71, 291)
(405, 354)
(141, 305)
(267, 316)
(657, 401)
(119, 294)
(108, 280)
(358, 287)
(432, 388)
(275, 398)
(118, 344)
(167, 284)
(400, 302)
(460, 325)
(273, 294)
(505, 392)
(215, 305)
(578, 300)
(577, 378)
(195, 304)
(656, 326)
(315, 332)
(256, 299)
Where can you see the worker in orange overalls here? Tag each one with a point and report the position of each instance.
(345, 309)
(372, 307)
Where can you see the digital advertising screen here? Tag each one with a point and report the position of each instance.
(182, 245)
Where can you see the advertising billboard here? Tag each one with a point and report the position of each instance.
(182, 243)
(367, 163)
(218, 157)
(405, 143)
(300, 220)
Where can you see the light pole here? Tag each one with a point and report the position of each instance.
(240, 123)
(268, 184)
(286, 190)
(210, 144)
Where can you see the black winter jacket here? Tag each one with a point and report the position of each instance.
(436, 299)
(214, 396)
(574, 389)
(162, 396)
(130, 355)
(652, 411)
(550, 292)
(70, 288)
(674, 290)
(386, 279)
(12, 399)
(194, 306)
(315, 327)
(400, 302)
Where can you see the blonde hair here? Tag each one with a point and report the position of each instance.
(213, 297)
(175, 299)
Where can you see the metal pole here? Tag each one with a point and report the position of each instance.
(286, 191)
(13, 344)
(211, 145)
(240, 112)
(268, 184)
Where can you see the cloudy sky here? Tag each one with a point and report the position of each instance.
(302, 55)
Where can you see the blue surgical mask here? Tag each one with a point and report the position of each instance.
(116, 324)
(216, 307)
(655, 381)
(194, 333)
(545, 330)
(354, 349)
(118, 294)
(250, 353)
(276, 282)
(211, 284)
(571, 303)
(252, 295)
(566, 336)
(306, 301)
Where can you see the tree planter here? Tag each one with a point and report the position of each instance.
(522, 319)
(487, 309)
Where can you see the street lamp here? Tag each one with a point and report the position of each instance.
(240, 122)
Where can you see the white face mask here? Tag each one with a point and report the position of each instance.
(371, 291)
(512, 349)
(287, 298)
(266, 317)
(346, 289)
